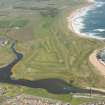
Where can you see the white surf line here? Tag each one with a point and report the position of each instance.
(100, 30)
(92, 1)
(75, 20)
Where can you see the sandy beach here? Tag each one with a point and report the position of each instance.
(75, 22)
(100, 66)
(72, 18)
(72, 21)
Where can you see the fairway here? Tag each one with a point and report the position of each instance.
(50, 49)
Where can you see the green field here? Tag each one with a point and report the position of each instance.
(50, 49)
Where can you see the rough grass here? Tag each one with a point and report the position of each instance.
(7, 23)
(6, 55)
(54, 52)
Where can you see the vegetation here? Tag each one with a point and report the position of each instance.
(4, 23)
(6, 55)
(50, 49)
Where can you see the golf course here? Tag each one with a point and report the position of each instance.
(51, 51)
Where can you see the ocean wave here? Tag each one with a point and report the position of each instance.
(99, 4)
(99, 30)
(78, 24)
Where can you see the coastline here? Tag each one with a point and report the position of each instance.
(71, 20)
(98, 64)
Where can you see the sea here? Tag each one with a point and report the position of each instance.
(91, 21)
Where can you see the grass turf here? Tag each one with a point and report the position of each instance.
(51, 50)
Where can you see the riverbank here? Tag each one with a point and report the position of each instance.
(32, 100)
(52, 42)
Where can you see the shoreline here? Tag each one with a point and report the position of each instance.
(98, 64)
(71, 20)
